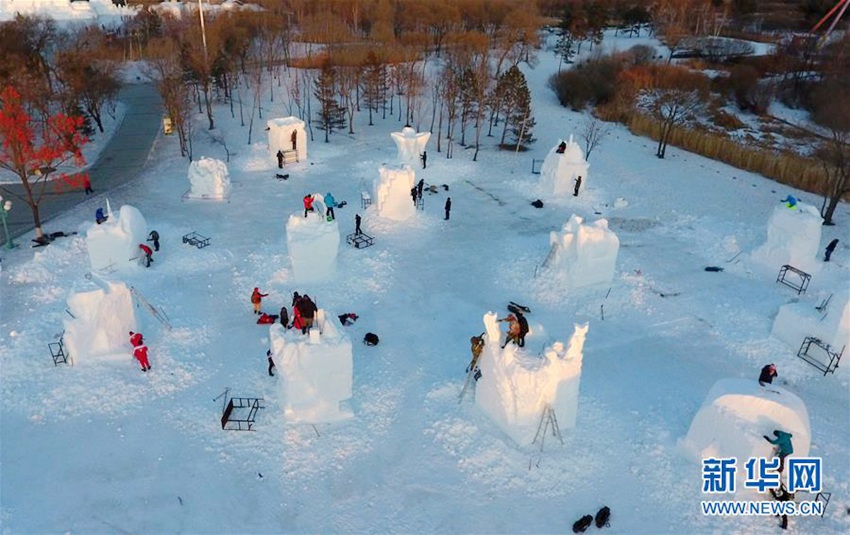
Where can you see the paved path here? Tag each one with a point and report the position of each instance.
(121, 160)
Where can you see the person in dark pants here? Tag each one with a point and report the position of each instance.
(424, 160)
(294, 140)
(146, 251)
(99, 217)
(448, 207)
(578, 185)
(271, 363)
(87, 184)
(419, 187)
(413, 194)
(829, 249)
(284, 317)
(523, 329)
(357, 231)
(782, 495)
(784, 448)
(280, 159)
(767, 375)
(154, 237)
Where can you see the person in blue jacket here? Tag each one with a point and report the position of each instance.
(783, 446)
(790, 201)
(330, 202)
(99, 217)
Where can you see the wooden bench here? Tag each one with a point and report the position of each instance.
(360, 241)
(193, 238)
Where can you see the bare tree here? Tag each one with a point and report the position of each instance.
(593, 132)
(672, 107)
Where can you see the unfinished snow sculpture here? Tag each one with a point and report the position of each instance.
(101, 319)
(289, 136)
(793, 238)
(114, 244)
(392, 192)
(561, 168)
(585, 254)
(410, 145)
(208, 179)
(735, 415)
(830, 324)
(313, 243)
(315, 372)
(515, 387)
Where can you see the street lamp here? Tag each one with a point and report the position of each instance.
(5, 208)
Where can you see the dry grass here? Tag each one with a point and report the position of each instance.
(783, 166)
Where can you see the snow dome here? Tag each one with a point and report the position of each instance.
(793, 237)
(585, 254)
(735, 415)
(208, 179)
(313, 243)
(392, 192)
(100, 323)
(314, 371)
(114, 244)
(515, 387)
(287, 134)
(560, 170)
(410, 145)
(796, 321)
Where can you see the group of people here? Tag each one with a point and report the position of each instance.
(303, 311)
(517, 328)
(140, 350)
(330, 204)
(147, 252)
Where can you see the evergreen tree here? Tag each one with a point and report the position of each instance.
(330, 116)
(515, 100)
(374, 83)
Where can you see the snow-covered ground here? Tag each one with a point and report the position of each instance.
(105, 448)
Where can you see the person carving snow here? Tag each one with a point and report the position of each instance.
(513, 329)
(767, 375)
(147, 252)
(141, 354)
(308, 204)
(330, 202)
(783, 445)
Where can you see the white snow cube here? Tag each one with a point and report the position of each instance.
(793, 238)
(101, 322)
(114, 244)
(313, 244)
(585, 253)
(560, 170)
(208, 179)
(392, 197)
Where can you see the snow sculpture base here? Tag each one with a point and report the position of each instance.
(793, 238)
(314, 372)
(795, 321)
(313, 244)
(516, 387)
(114, 244)
(392, 192)
(410, 145)
(584, 254)
(101, 323)
(560, 170)
(208, 179)
(735, 415)
(281, 132)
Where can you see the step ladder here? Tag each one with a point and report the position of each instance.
(157, 313)
(547, 420)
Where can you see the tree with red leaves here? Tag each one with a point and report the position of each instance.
(33, 149)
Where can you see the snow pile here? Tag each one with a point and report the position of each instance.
(795, 321)
(586, 254)
(392, 192)
(737, 413)
(313, 244)
(208, 179)
(281, 132)
(64, 9)
(515, 387)
(114, 244)
(314, 372)
(100, 324)
(793, 238)
(410, 145)
(559, 171)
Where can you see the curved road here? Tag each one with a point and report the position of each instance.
(121, 161)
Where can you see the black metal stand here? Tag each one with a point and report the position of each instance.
(799, 283)
(831, 360)
(193, 238)
(360, 241)
(57, 351)
(535, 166)
(236, 418)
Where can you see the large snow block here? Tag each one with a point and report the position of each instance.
(208, 179)
(392, 192)
(286, 134)
(314, 372)
(313, 244)
(100, 324)
(735, 415)
(560, 170)
(410, 145)
(796, 321)
(793, 238)
(515, 387)
(585, 254)
(114, 244)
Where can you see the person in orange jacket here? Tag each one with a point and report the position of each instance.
(257, 300)
(514, 329)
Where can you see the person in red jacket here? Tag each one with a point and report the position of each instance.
(147, 252)
(257, 300)
(141, 354)
(136, 339)
(297, 320)
(308, 204)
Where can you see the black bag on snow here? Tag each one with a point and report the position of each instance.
(371, 339)
(602, 517)
(582, 524)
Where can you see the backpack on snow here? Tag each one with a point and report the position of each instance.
(371, 339)
(582, 524)
(602, 517)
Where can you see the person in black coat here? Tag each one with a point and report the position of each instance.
(284, 317)
(280, 159)
(448, 207)
(782, 495)
(578, 185)
(829, 249)
(154, 237)
(271, 362)
(523, 329)
(767, 375)
(357, 231)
